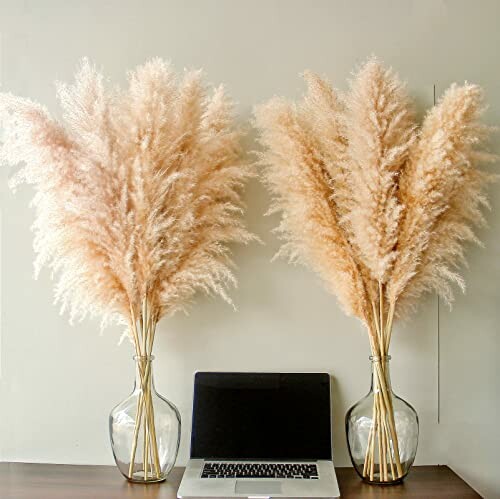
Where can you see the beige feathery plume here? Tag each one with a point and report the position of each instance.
(442, 193)
(380, 130)
(322, 111)
(356, 165)
(302, 179)
(137, 193)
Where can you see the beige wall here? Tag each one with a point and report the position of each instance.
(58, 382)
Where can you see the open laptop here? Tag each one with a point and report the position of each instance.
(260, 435)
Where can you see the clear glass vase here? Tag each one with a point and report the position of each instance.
(382, 430)
(145, 430)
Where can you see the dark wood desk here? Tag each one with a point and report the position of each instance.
(52, 481)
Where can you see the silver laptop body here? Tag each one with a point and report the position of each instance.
(260, 435)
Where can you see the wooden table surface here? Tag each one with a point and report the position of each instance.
(54, 481)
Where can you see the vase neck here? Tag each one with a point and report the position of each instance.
(381, 373)
(143, 371)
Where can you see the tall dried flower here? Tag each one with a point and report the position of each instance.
(137, 192)
(377, 206)
(442, 192)
(137, 198)
(301, 181)
(380, 129)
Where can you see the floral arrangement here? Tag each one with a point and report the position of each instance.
(377, 205)
(137, 197)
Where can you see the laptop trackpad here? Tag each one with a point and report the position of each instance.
(260, 487)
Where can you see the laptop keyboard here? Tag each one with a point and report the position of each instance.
(218, 469)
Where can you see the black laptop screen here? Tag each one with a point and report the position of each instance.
(261, 416)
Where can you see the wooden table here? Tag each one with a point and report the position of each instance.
(53, 481)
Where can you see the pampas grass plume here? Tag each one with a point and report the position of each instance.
(137, 190)
(377, 205)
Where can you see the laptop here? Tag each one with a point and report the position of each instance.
(260, 435)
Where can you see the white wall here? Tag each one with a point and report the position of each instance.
(470, 342)
(58, 382)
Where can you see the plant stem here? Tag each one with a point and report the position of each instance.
(387, 398)
(368, 446)
(391, 461)
(383, 429)
(381, 312)
(146, 450)
(138, 418)
(145, 410)
(379, 439)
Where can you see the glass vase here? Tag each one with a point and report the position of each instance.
(145, 430)
(382, 430)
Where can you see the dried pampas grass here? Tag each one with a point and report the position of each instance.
(377, 205)
(137, 191)
(367, 197)
(137, 198)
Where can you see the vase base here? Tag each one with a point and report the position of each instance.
(146, 482)
(383, 484)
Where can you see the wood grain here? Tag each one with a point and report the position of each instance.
(55, 481)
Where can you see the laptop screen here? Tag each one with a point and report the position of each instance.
(264, 416)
